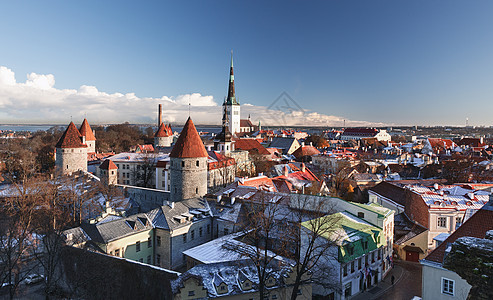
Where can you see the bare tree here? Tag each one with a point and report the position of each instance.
(260, 236)
(17, 239)
(145, 170)
(312, 233)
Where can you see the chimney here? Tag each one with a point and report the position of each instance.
(160, 115)
(286, 172)
(303, 167)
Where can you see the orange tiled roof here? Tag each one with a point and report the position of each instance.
(189, 143)
(85, 130)
(251, 145)
(71, 138)
(305, 151)
(164, 131)
(108, 165)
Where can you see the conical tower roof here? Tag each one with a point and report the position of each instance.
(163, 131)
(71, 138)
(189, 143)
(85, 130)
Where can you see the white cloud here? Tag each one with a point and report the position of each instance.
(38, 101)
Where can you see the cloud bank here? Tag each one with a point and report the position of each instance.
(38, 101)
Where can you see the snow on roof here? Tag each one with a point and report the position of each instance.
(214, 251)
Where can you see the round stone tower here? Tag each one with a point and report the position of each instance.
(163, 136)
(188, 165)
(71, 152)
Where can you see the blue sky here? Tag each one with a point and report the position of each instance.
(392, 62)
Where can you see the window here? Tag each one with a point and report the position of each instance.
(448, 286)
(226, 231)
(352, 266)
(149, 243)
(361, 215)
(148, 259)
(185, 238)
(141, 260)
(163, 183)
(200, 232)
(137, 246)
(274, 297)
(183, 164)
(365, 245)
(359, 263)
(458, 220)
(193, 234)
(373, 257)
(347, 290)
(344, 269)
(222, 288)
(196, 190)
(442, 222)
(117, 252)
(158, 260)
(164, 173)
(197, 163)
(158, 241)
(191, 293)
(299, 292)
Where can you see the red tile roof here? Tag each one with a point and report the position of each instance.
(85, 130)
(251, 145)
(108, 165)
(71, 138)
(164, 131)
(305, 151)
(441, 143)
(476, 226)
(189, 143)
(246, 123)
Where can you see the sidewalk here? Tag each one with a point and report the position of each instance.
(376, 291)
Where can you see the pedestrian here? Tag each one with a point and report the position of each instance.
(392, 279)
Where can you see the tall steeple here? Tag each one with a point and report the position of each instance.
(231, 100)
(232, 106)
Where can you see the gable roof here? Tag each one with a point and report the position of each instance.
(251, 145)
(71, 138)
(189, 144)
(476, 226)
(85, 130)
(108, 165)
(282, 142)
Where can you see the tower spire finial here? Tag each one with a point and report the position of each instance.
(231, 58)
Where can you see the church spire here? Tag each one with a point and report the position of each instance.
(231, 100)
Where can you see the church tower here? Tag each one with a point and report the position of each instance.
(222, 142)
(231, 103)
(188, 165)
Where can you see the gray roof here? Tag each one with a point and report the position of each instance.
(108, 231)
(282, 143)
(164, 216)
(211, 275)
(113, 228)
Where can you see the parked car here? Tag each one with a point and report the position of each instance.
(33, 278)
